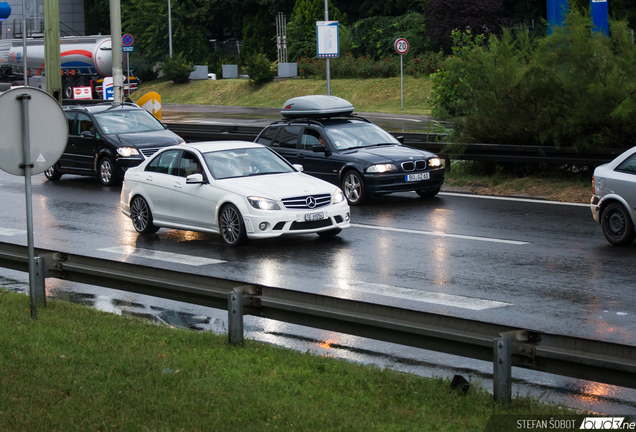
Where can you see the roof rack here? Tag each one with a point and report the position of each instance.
(318, 121)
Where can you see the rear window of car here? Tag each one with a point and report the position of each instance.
(267, 136)
(628, 165)
(288, 137)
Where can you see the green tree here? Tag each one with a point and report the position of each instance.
(259, 34)
(301, 29)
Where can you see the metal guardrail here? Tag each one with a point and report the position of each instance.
(592, 360)
(426, 141)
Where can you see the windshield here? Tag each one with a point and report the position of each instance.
(359, 135)
(245, 162)
(127, 121)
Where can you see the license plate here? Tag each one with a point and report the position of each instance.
(314, 216)
(417, 177)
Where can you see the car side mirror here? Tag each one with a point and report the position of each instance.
(400, 139)
(319, 149)
(87, 134)
(194, 179)
(298, 167)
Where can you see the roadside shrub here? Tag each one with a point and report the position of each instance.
(425, 64)
(349, 66)
(572, 88)
(146, 74)
(259, 69)
(176, 69)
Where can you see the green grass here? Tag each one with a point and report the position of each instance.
(366, 95)
(79, 369)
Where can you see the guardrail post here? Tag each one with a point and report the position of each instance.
(502, 370)
(40, 284)
(235, 318)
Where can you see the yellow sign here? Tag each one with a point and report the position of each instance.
(151, 102)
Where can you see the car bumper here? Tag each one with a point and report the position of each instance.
(277, 223)
(378, 184)
(596, 208)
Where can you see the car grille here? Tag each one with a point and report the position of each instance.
(310, 225)
(412, 166)
(307, 202)
(147, 152)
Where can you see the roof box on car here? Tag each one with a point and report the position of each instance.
(316, 106)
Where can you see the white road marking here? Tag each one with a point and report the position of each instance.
(417, 295)
(441, 234)
(161, 256)
(501, 198)
(11, 232)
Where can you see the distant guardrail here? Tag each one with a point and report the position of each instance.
(505, 346)
(427, 141)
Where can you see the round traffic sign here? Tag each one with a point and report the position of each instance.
(127, 40)
(401, 45)
(48, 130)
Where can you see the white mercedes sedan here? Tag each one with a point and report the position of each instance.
(238, 189)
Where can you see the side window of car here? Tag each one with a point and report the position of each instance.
(311, 138)
(70, 117)
(288, 137)
(166, 162)
(84, 124)
(267, 136)
(189, 164)
(628, 165)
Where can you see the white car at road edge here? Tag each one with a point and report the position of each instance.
(240, 190)
(613, 202)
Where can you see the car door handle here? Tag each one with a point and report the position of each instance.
(177, 185)
(149, 178)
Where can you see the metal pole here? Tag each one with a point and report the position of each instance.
(169, 29)
(235, 318)
(26, 166)
(401, 82)
(24, 44)
(128, 71)
(115, 34)
(328, 63)
(502, 370)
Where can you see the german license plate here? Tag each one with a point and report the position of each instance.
(417, 177)
(314, 216)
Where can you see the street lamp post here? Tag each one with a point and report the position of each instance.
(169, 29)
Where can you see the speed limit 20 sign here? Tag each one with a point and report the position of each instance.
(401, 45)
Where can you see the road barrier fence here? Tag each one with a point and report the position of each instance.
(504, 346)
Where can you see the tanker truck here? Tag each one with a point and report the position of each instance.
(85, 60)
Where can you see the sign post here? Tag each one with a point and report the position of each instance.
(327, 43)
(401, 45)
(127, 47)
(31, 149)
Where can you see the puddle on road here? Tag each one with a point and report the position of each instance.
(595, 397)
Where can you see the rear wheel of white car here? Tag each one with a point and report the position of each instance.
(617, 225)
(353, 188)
(231, 226)
(142, 216)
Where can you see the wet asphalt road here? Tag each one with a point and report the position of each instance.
(530, 264)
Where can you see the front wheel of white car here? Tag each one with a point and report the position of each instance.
(232, 227)
(142, 216)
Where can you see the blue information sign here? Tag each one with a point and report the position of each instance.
(557, 9)
(128, 49)
(599, 16)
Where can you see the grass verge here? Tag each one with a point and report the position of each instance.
(366, 95)
(79, 369)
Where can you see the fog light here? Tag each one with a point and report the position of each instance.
(262, 226)
(347, 217)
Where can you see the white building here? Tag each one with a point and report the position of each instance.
(71, 19)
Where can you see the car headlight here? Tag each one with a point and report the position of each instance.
(435, 162)
(381, 168)
(337, 197)
(127, 151)
(263, 203)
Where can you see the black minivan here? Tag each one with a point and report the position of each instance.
(105, 140)
(321, 134)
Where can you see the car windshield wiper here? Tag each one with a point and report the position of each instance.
(268, 172)
(382, 144)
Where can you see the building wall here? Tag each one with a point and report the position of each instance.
(71, 19)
